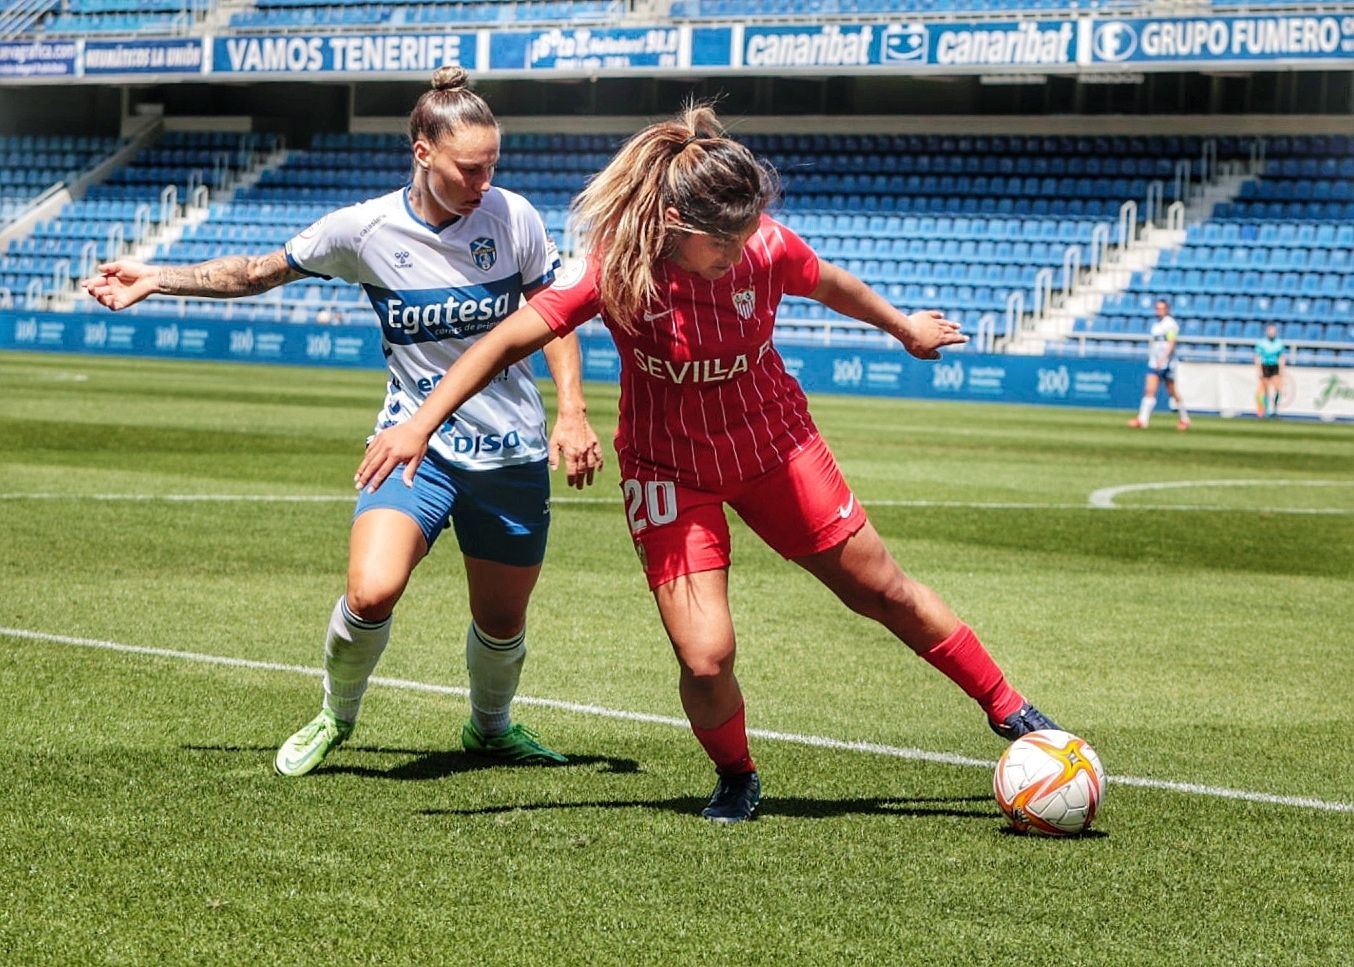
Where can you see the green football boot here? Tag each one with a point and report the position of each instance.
(305, 750)
(518, 744)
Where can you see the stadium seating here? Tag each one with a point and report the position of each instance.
(960, 222)
(295, 14)
(30, 164)
(1282, 253)
(121, 210)
(965, 223)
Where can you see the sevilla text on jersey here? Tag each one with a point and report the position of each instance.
(714, 370)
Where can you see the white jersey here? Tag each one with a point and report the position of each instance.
(436, 289)
(1164, 332)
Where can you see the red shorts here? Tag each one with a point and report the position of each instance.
(801, 507)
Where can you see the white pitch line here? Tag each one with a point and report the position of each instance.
(1104, 497)
(820, 742)
(615, 501)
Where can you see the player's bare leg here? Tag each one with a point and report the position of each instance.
(864, 575)
(695, 612)
(383, 549)
(1181, 414)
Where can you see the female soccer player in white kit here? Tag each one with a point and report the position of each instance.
(687, 271)
(1161, 369)
(443, 261)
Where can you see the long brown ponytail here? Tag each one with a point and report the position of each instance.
(689, 164)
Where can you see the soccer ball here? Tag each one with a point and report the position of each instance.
(1049, 782)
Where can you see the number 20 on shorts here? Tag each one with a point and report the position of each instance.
(650, 502)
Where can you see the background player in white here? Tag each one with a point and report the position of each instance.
(443, 261)
(1161, 367)
(687, 271)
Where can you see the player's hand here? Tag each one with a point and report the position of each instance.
(404, 443)
(573, 439)
(926, 332)
(124, 283)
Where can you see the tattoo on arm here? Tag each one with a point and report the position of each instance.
(228, 277)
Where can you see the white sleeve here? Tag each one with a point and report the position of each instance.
(328, 248)
(537, 256)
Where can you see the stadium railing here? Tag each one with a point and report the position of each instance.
(1281, 253)
(968, 228)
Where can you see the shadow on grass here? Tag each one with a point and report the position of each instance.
(793, 807)
(427, 764)
(1084, 834)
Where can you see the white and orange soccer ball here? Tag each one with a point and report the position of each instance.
(1049, 782)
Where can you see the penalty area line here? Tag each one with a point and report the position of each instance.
(793, 738)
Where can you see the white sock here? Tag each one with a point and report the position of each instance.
(495, 665)
(351, 650)
(1145, 409)
(1181, 413)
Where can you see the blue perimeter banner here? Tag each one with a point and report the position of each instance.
(38, 58)
(583, 48)
(1113, 383)
(342, 53)
(1197, 41)
(168, 337)
(144, 56)
(1049, 46)
(1039, 44)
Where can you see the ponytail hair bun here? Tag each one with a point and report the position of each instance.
(448, 107)
(451, 79)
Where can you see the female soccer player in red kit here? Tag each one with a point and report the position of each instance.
(687, 269)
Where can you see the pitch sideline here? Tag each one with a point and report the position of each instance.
(1102, 499)
(821, 742)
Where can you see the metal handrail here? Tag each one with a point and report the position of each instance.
(89, 258)
(1015, 309)
(1043, 291)
(1071, 268)
(115, 242)
(986, 335)
(1152, 205)
(1128, 225)
(169, 204)
(1183, 185)
(1175, 216)
(1100, 243)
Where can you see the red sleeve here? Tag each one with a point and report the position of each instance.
(799, 264)
(572, 300)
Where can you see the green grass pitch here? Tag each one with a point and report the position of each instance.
(1200, 635)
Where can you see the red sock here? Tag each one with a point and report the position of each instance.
(963, 660)
(727, 745)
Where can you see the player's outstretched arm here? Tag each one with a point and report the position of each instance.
(515, 338)
(923, 334)
(124, 283)
(572, 437)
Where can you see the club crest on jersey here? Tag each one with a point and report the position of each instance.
(485, 253)
(745, 300)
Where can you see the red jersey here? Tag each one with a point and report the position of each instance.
(705, 398)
